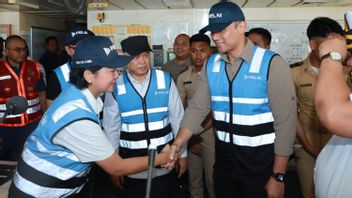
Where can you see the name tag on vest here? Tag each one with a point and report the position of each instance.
(5, 77)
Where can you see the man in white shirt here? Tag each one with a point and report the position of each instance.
(147, 108)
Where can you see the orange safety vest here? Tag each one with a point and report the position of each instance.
(24, 85)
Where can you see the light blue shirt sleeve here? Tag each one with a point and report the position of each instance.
(112, 120)
(176, 113)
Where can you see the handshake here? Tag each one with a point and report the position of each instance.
(170, 154)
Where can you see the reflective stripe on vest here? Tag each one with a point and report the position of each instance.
(246, 140)
(30, 103)
(60, 170)
(25, 85)
(141, 126)
(145, 120)
(63, 75)
(245, 110)
(30, 110)
(35, 190)
(143, 143)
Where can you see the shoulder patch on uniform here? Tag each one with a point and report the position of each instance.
(297, 64)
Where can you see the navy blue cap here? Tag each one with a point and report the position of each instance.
(135, 45)
(76, 34)
(222, 15)
(98, 51)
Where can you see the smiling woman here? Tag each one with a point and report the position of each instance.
(56, 159)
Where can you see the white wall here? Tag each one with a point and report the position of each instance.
(12, 18)
(288, 25)
(197, 18)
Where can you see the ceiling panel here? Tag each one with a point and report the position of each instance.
(126, 4)
(258, 3)
(152, 4)
(339, 3)
(285, 3)
(58, 9)
(306, 4)
(239, 2)
(204, 3)
(178, 4)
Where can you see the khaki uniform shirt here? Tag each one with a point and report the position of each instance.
(281, 94)
(305, 80)
(187, 83)
(174, 69)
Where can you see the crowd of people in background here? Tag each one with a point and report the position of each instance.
(227, 121)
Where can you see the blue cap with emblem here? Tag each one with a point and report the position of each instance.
(98, 51)
(76, 34)
(221, 15)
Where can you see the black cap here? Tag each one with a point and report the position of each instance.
(135, 45)
(98, 51)
(76, 34)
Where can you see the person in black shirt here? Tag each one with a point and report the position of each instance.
(53, 57)
(59, 76)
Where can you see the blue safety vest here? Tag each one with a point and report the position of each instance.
(47, 169)
(63, 75)
(144, 119)
(241, 110)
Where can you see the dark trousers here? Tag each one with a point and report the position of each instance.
(228, 184)
(162, 187)
(14, 139)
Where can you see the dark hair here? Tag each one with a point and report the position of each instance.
(263, 32)
(49, 38)
(77, 78)
(13, 37)
(322, 27)
(183, 34)
(200, 38)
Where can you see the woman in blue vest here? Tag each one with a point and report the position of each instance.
(58, 155)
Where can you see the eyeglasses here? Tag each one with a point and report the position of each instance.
(18, 50)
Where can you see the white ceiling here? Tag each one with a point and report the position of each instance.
(189, 4)
(61, 9)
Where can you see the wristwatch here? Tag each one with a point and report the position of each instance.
(280, 177)
(336, 56)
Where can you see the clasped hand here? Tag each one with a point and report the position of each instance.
(174, 154)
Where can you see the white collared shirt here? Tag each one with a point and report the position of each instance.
(112, 119)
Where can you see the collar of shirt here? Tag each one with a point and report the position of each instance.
(193, 69)
(246, 53)
(141, 87)
(186, 63)
(17, 70)
(96, 103)
(307, 66)
(134, 81)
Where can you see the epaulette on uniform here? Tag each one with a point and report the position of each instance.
(297, 64)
